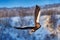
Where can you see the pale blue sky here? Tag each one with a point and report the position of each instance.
(26, 3)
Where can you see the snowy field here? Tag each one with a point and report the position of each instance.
(7, 32)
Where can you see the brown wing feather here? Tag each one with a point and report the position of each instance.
(37, 9)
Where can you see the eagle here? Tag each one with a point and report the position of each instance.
(37, 18)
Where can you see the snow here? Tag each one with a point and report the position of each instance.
(15, 34)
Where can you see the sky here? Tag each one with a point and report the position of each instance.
(26, 3)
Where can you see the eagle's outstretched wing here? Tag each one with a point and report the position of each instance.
(24, 28)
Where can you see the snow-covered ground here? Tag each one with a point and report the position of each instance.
(7, 32)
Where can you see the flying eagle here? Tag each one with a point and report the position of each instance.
(37, 18)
